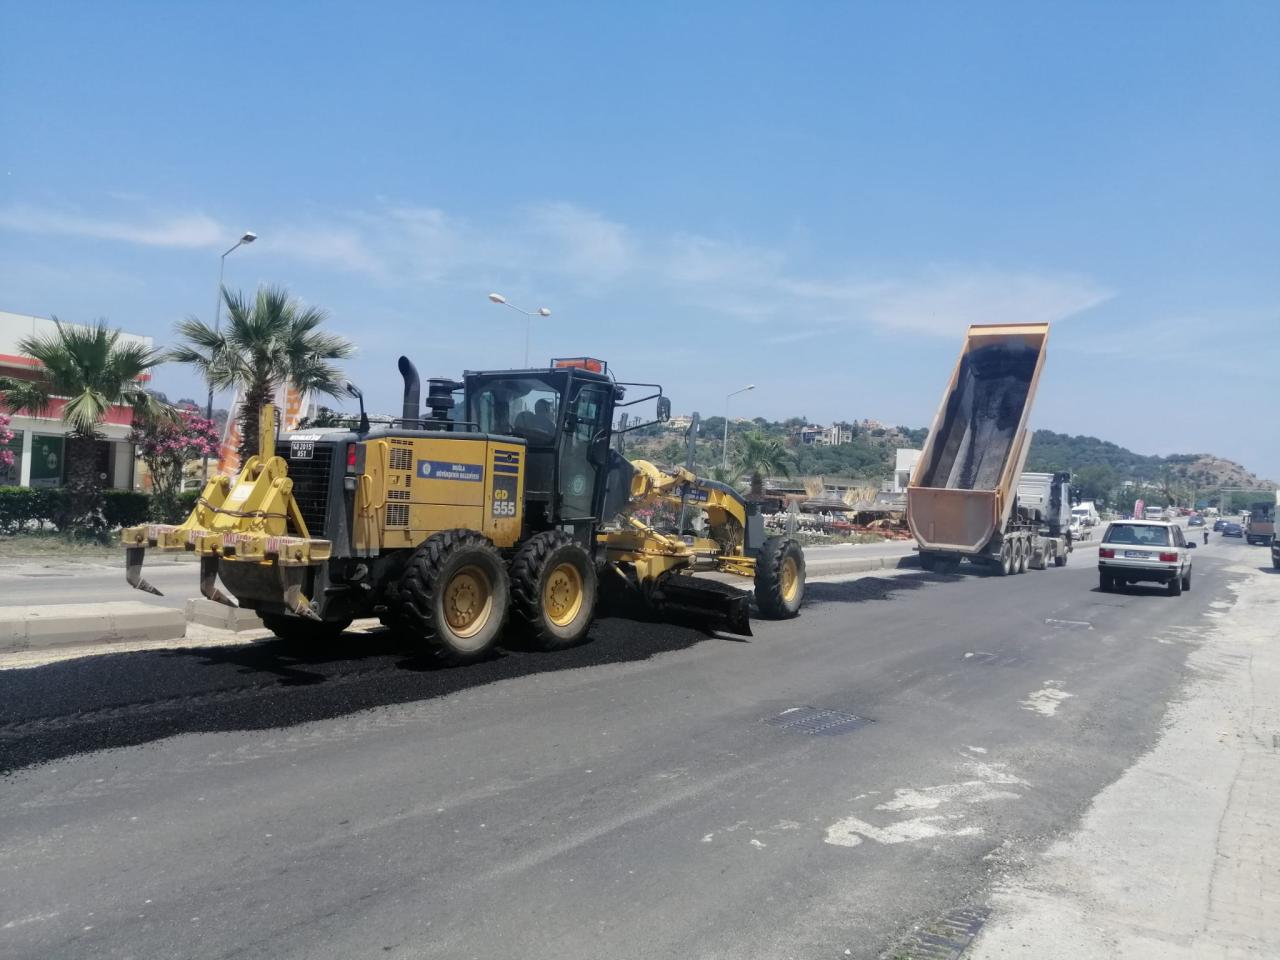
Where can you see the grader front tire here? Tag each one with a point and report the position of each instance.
(453, 596)
(553, 591)
(780, 579)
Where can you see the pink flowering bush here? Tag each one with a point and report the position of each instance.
(165, 445)
(6, 437)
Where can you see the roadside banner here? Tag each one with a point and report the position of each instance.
(1139, 507)
(292, 404)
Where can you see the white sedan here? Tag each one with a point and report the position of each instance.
(1152, 551)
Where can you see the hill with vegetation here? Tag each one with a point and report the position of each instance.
(1101, 469)
(868, 456)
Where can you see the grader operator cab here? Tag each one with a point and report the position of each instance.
(511, 503)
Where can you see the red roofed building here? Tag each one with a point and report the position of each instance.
(38, 443)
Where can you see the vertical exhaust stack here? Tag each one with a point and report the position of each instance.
(410, 411)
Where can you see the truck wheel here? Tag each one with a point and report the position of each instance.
(1060, 559)
(779, 578)
(553, 590)
(453, 596)
(1007, 562)
(1019, 556)
(1175, 587)
(299, 630)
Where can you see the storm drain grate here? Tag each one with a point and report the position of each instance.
(944, 939)
(818, 723)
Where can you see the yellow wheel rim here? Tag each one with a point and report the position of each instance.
(790, 579)
(562, 594)
(468, 602)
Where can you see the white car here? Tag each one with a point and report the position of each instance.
(1151, 551)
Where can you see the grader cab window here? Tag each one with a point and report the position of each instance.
(527, 407)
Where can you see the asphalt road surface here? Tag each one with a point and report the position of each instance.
(629, 798)
(50, 580)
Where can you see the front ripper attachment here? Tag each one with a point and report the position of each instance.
(133, 557)
(723, 607)
(209, 581)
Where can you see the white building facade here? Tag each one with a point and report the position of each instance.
(39, 442)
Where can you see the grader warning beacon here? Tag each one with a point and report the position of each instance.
(444, 523)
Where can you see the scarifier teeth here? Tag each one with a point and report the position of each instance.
(295, 600)
(133, 571)
(209, 582)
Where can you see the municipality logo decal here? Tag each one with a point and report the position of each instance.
(443, 470)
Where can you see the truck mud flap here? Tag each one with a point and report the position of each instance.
(718, 605)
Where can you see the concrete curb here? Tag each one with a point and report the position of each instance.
(75, 624)
(207, 613)
(860, 565)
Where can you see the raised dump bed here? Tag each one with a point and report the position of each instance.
(965, 482)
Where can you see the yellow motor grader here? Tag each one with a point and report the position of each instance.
(508, 504)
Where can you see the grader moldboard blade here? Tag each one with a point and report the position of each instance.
(719, 605)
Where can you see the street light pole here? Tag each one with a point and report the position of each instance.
(249, 237)
(528, 323)
(724, 449)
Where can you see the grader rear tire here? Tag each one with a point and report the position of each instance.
(780, 579)
(553, 591)
(453, 596)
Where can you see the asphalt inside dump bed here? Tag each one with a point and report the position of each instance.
(982, 417)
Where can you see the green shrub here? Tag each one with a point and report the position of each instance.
(124, 508)
(21, 507)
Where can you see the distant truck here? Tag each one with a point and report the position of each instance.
(968, 497)
(1260, 526)
(1086, 513)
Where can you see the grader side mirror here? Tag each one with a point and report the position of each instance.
(664, 409)
(354, 392)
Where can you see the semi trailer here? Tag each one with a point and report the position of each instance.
(969, 498)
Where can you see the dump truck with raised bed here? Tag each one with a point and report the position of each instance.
(968, 498)
(506, 501)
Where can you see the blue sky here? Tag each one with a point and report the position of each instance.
(815, 198)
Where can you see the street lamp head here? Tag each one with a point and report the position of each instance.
(249, 237)
(749, 386)
(497, 298)
(544, 312)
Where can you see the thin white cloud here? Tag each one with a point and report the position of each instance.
(946, 301)
(568, 247)
(183, 231)
(584, 243)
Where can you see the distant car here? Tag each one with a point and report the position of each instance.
(1230, 529)
(1196, 522)
(1150, 551)
(1219, 524)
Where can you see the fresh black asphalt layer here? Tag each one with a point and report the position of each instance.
(625, 799)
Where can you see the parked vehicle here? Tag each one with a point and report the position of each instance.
(1138, 551)
(1153, 513)
(1231, 529)
(968, 498)
(1196, 522)
(1219, 524)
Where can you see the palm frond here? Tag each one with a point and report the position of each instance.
(25, 396)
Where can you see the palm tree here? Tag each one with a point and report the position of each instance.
(757, 454)
(264, 344)
(93, 371)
